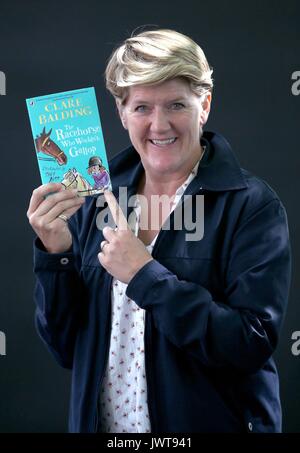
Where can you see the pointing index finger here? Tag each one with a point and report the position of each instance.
(116, 211)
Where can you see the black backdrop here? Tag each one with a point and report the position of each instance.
(47, 47)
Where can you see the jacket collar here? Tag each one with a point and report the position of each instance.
(219, 169)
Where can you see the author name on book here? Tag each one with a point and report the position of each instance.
(64, 110)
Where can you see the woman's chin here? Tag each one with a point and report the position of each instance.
(163, 166)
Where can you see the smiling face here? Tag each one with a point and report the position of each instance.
(95, 169)
(165, 123)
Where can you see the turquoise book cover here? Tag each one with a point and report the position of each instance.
(68, 140)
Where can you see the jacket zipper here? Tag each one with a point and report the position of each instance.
(96, 417)
(147, 341)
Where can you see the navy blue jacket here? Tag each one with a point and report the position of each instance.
(214, 307)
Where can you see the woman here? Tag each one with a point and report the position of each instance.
(165, 331)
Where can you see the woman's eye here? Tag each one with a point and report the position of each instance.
(141, 108)
(177, 106)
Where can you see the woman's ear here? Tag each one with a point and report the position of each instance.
(121, 111)
(206, 103)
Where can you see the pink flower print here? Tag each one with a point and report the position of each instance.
(110, 384)
(115, 337)
(133, 339)
(127, 401)
(122, 346)
(132, 354)
(125, 414)
(128, 301)
(119, 392)
(111, 367)
(129, 369)
(117, 407)
(120, 376)
(121, 362)
(142, 391)
(127, 315)
(123, 331)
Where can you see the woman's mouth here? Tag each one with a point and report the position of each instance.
(164, 142)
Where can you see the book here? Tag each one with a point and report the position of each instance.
(68, 140)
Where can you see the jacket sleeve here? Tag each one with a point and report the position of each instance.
(242, 330)
(59, 297)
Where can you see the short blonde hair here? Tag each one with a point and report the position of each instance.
(154, 56)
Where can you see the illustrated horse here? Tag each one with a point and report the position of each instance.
(74, 180)
(47, 146)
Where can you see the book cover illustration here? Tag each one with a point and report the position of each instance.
(68, 140)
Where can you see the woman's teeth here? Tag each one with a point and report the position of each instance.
(167, 141)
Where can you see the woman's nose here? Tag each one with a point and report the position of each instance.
(159, 121)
